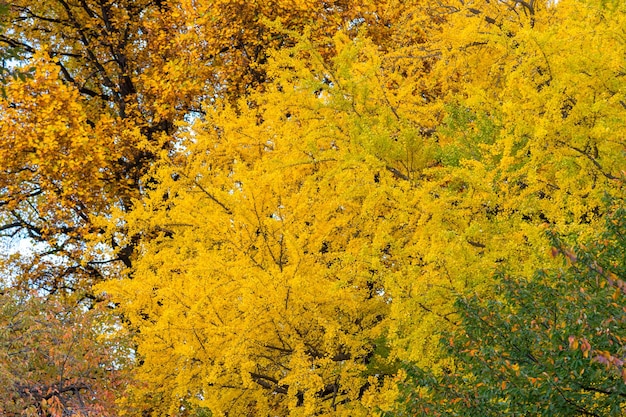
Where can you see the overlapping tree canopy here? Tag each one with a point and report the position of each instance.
(281, 202)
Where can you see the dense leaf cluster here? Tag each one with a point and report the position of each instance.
(551, 344)
(304, 207)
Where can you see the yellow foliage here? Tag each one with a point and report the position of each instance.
(300, 190)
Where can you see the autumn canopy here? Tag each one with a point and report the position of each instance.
(312, 208)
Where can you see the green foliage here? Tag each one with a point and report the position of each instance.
(470, 132)
(550, 345)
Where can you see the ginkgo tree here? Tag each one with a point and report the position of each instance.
(265, 271)
(263, 287)
(306, 239)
